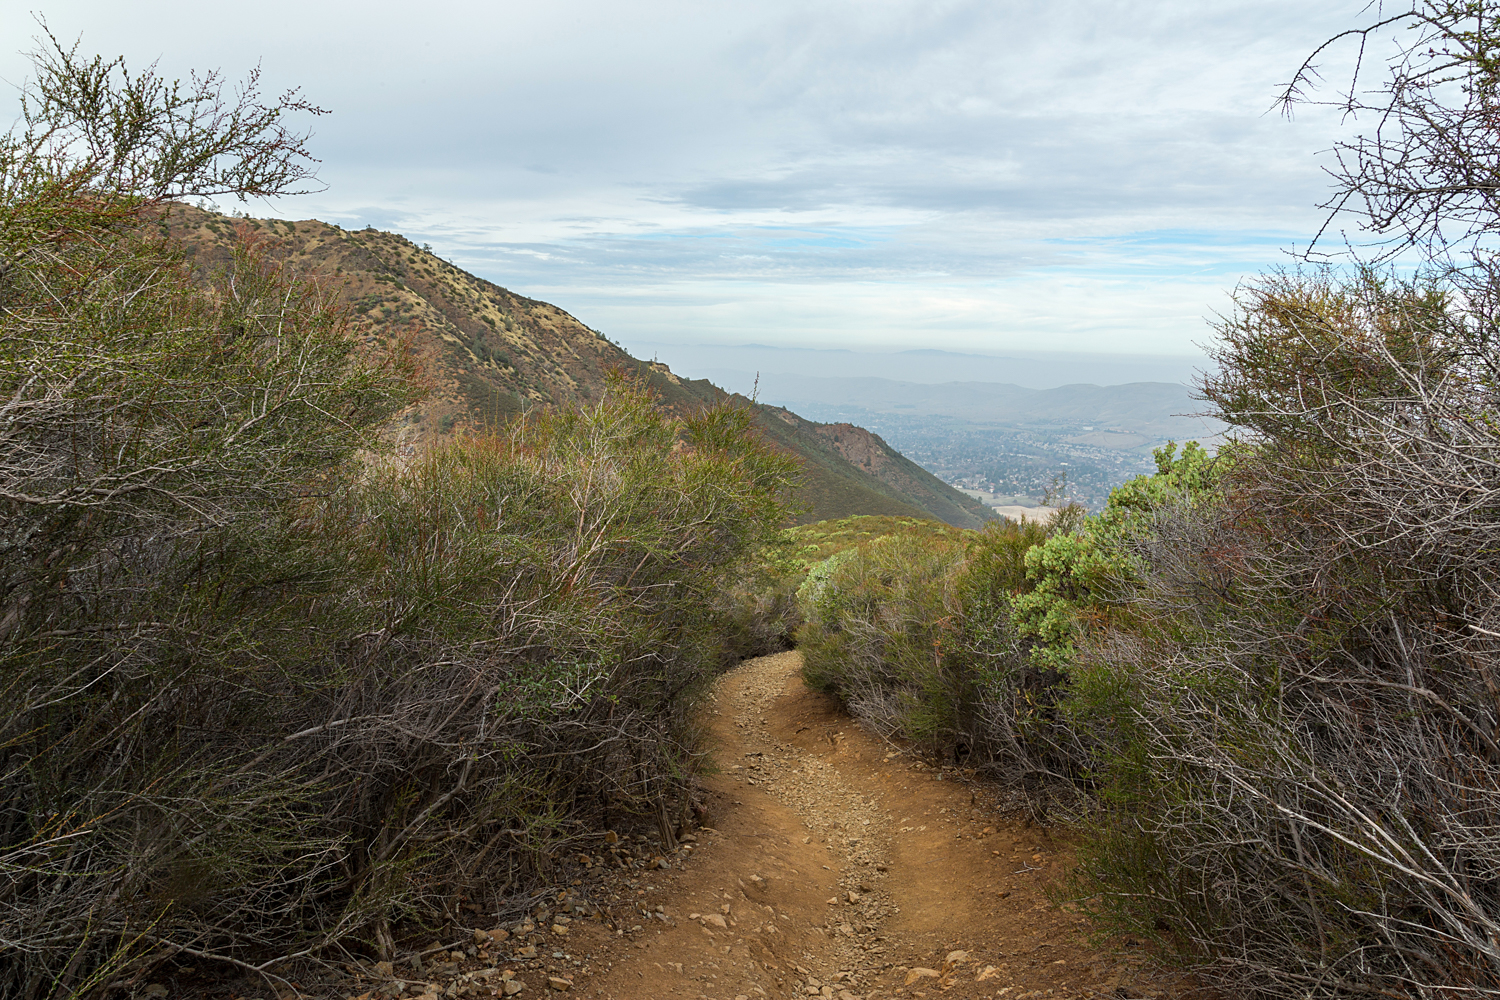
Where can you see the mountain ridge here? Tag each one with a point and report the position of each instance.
(491, 354)
(1029, 369)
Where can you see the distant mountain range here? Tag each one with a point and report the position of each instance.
(1016, 443)
(1030, 369)
(1147, 410)
(491, 354)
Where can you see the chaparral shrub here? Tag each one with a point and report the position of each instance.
(270, 695)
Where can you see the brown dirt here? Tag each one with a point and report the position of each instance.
(808, 809)
(832, 864)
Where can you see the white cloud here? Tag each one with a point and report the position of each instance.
(962, 174)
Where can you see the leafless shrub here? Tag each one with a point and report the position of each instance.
(1304, 715)
(1423, 174)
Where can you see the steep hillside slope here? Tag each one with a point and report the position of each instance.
(492, 354)
(842, 459)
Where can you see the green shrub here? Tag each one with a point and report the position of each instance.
(761, 610)
(877, 632)
(968, 641)
(339, 706)
(269, 695)
(1290, 714)
(1085, 571)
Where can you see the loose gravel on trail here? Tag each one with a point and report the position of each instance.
(855, 828)
(829, 864)
(845, 867)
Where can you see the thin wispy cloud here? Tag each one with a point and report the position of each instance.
(965, 175)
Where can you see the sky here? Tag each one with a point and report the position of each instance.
(980, 177)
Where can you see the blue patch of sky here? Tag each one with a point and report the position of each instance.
(1179, 252)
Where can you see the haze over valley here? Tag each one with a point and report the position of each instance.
(1008, 429)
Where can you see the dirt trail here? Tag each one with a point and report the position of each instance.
(830, 865)
(840, 867)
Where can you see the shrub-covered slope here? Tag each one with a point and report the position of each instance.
(850, 471)
(281, 698)
(1265, 679)
(490, 354)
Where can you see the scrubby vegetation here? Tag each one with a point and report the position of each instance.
(759, 610)
(1304, 790)
(914, 631)
(1263, 681)
(269, 693)
(272, 694)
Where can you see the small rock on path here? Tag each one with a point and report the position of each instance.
(843, 867)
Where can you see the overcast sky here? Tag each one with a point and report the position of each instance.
(972, 176)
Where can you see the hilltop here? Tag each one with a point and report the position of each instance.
(491, 354)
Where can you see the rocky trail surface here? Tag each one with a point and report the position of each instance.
(831, 864)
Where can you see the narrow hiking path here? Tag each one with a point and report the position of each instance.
(838, 866)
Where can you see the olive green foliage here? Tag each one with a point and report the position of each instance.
(1266, 677)
(1291, 724)
(804, 546)
(1077, 576)
(912, 631)
(873, 631)
(1269, 677)
(759, 608)
(271, 693)
(1301, 761)
(968, 641)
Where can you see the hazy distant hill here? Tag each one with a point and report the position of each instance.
(491, 354)
(738, 364)
(1146, 409)
(1005, 439)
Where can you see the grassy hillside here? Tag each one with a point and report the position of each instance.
(490, 355)
(809, 544)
